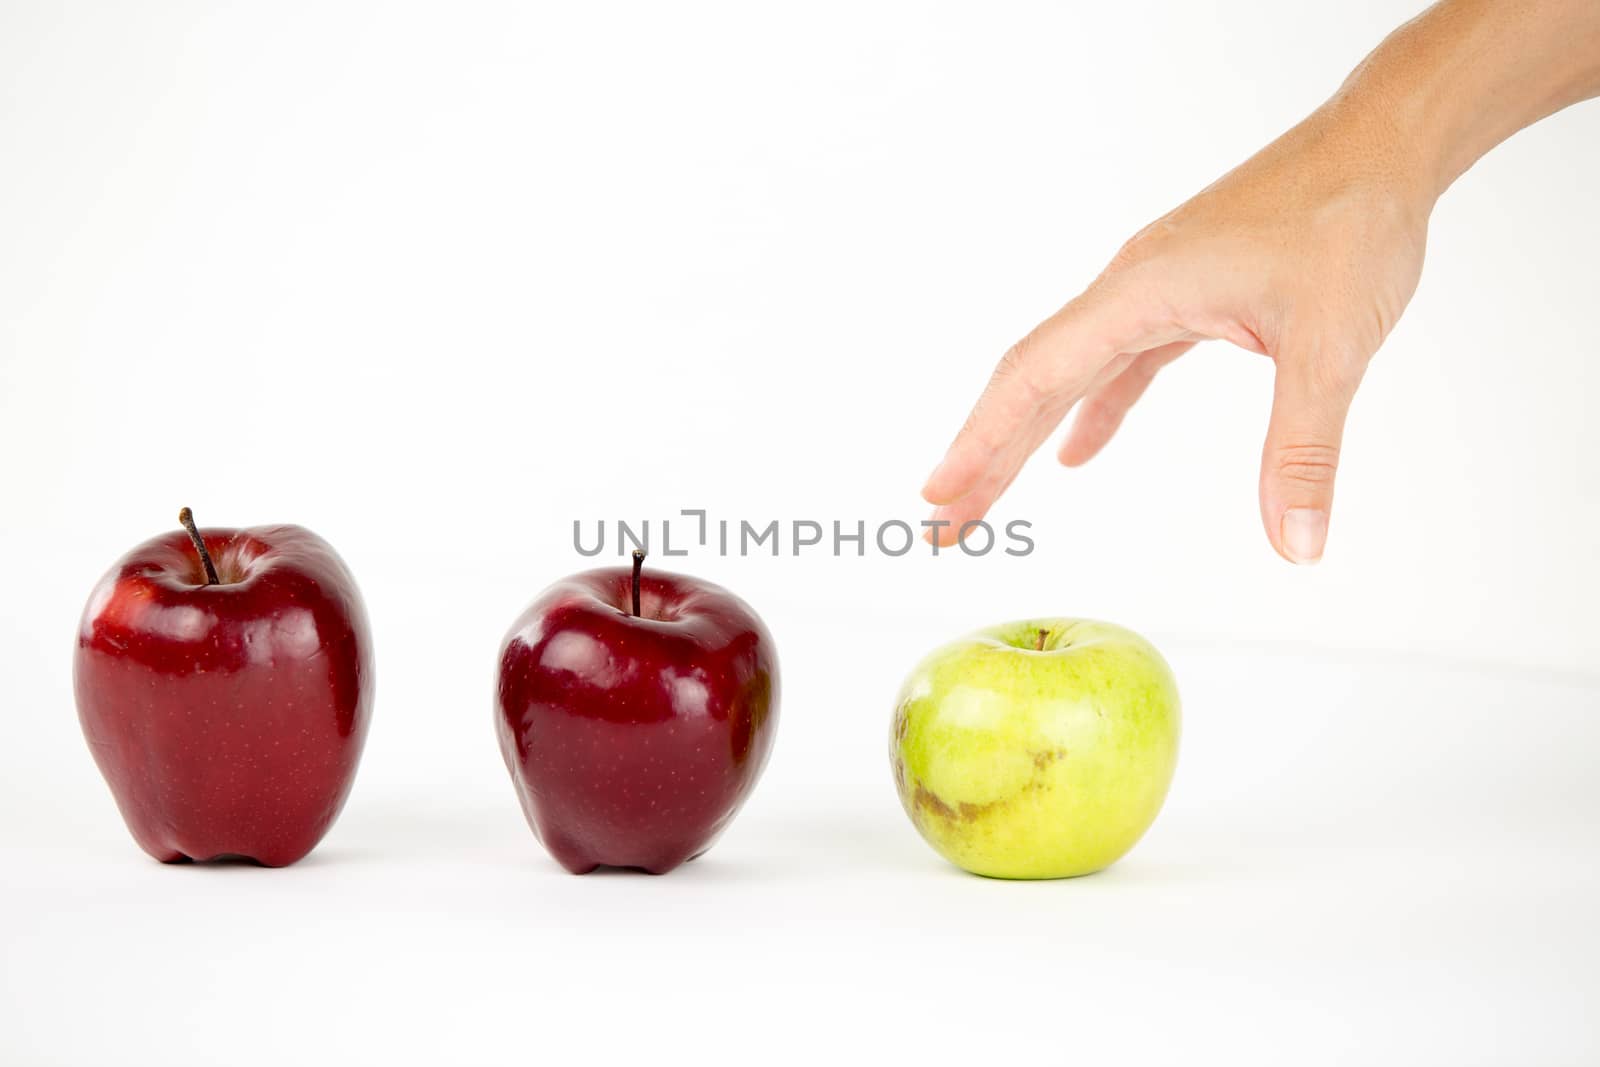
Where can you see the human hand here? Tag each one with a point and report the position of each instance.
(1308, 253)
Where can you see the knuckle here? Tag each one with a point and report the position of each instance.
(1141, 248)
(1311, 465)
(1324, 343)
(1336, 369)
(1019, 370)
(982, 429)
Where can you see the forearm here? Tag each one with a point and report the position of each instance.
(1467, 74)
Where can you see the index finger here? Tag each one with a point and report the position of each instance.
(1033, 387)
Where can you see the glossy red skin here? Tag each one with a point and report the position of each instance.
(633, 741)
(227, 719)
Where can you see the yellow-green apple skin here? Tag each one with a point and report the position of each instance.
(1037, 749)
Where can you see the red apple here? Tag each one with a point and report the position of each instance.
(225, 685)
(635, 714)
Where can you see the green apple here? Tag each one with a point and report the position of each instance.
(1037, 749)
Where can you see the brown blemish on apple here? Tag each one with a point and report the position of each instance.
(925, 800)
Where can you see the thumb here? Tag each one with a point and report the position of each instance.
(1302, 456)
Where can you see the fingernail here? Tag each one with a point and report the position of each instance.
(1304, 532)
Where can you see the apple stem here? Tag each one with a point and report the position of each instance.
(1039, 645)
(638, 565)
(186, 517)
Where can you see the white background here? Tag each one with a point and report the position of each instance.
(436, 280)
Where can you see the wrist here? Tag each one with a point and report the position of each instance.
(1363, 144)
(1465, 75)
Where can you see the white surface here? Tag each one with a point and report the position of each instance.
(438, 281)
(1359, 862)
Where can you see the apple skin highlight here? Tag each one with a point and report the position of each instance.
(1020, 761)
(635, 714)
(227, 717)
